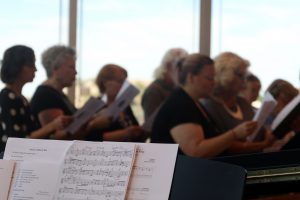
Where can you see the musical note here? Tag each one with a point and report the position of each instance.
(96, 170)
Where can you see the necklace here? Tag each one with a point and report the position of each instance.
(236, 114)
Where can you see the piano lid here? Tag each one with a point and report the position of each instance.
(260, 161)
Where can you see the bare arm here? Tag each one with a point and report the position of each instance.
(252, 146)
(190, 138)
(54, 128)
(43, 132)
(130, 134)
(48, 115)
(192, 142)
(99, 122)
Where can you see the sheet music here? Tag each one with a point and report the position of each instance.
(124, 87)
(262, 114)
(123, 100)
(34, 180)
(152, 172)
(93, 170)
(20, 149)
(285, 111)
(91, 107)
(82, 170)
(6, 174)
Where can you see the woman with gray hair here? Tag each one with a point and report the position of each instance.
(49, 101)
(225, 105)
(166, 78)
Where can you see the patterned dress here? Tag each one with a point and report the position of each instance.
(16, 118)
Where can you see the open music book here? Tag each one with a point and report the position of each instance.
(95, 106)
(91, 107)
(282, 123)
(262, 114)
(80, 170)
(123, 99)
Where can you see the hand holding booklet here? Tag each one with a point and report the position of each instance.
(83, 115)
(123, 99)
(262, 114)
(89, 170)
(282, 123)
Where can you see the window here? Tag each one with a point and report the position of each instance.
(133, 34)
(264, 32)
(35, 23)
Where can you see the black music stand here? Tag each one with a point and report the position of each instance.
(201, 179)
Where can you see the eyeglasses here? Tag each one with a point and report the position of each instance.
(240, 75)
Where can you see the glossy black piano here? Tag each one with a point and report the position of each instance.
(270, 175)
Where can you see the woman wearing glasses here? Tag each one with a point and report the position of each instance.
(225, 105)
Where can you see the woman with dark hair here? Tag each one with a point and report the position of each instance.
(17, 120)
(183, 120)
(252, 87)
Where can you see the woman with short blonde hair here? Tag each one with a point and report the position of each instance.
(226, 107)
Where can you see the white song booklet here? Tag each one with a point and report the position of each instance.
(81, 170)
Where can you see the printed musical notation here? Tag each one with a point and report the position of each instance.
(147, 171)
(142, 172)
(96, 162)
(82, 181)
(99, 192)
(100, 152)
(81, 170)
(96, 170)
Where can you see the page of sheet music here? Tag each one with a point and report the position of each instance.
(20, 149)
(94, 170)
(123, 99)
(6, 174)
(152, 172)
(285, 112)
(262, 114)
(34, 180)
(84, 114)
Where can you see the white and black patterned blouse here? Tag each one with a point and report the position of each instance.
(16, 118)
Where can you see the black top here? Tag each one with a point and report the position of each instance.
(178, 109)
(16, 117)
(46, 97)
